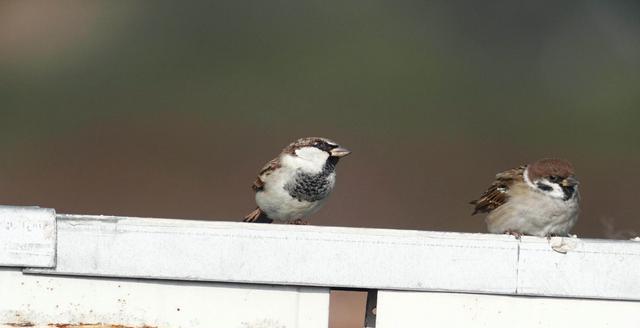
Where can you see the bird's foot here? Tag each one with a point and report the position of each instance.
(516, 234)
(551, 235)
(298, 222)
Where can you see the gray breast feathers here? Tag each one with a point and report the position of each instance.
(312, 187)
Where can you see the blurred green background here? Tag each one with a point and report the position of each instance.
(169, 109)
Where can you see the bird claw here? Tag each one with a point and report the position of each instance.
(516, 234)
(298, 222)
(551, 235)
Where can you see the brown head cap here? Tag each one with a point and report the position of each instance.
(550, 167)
(323, 144)
(309, 142)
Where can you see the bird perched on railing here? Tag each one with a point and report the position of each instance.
(294, 185)
(539, 199)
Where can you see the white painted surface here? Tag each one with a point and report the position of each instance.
(430, 309)
(41, 300)
(27, 236)
(346, 257)
(601, 268)
(285, 254)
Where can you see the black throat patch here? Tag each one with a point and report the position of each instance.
(312, 187)
(568, 192)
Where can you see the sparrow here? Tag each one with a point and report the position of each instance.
(539, 199)
(294, 185)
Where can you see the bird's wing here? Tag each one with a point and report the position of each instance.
(267, 169)
(496, 194)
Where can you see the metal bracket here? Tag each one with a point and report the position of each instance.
(27, 236)
(372, 305)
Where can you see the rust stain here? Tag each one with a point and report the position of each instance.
(73, 325)
(93, 325)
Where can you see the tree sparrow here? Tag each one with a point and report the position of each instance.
(296, 184)
(539, 199)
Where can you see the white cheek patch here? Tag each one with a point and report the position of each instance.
(309, 159)
(555, 192)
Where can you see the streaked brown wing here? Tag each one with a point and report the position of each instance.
(258, 184)
(496, 194)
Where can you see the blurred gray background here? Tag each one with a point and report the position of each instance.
(168, 109)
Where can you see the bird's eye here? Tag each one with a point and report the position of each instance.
(322, 145)
(554, 178)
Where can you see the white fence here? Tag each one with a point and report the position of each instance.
(82, 270)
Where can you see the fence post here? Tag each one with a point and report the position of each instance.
(372, 303)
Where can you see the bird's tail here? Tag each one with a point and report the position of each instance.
(257, 216)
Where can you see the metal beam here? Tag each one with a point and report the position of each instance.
(345, 257)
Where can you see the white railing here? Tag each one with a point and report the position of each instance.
(72, 269)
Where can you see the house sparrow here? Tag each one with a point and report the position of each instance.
(296, 184)
(539, 199)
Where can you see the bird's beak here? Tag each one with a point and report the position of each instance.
(570, 182)
(339, 152)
